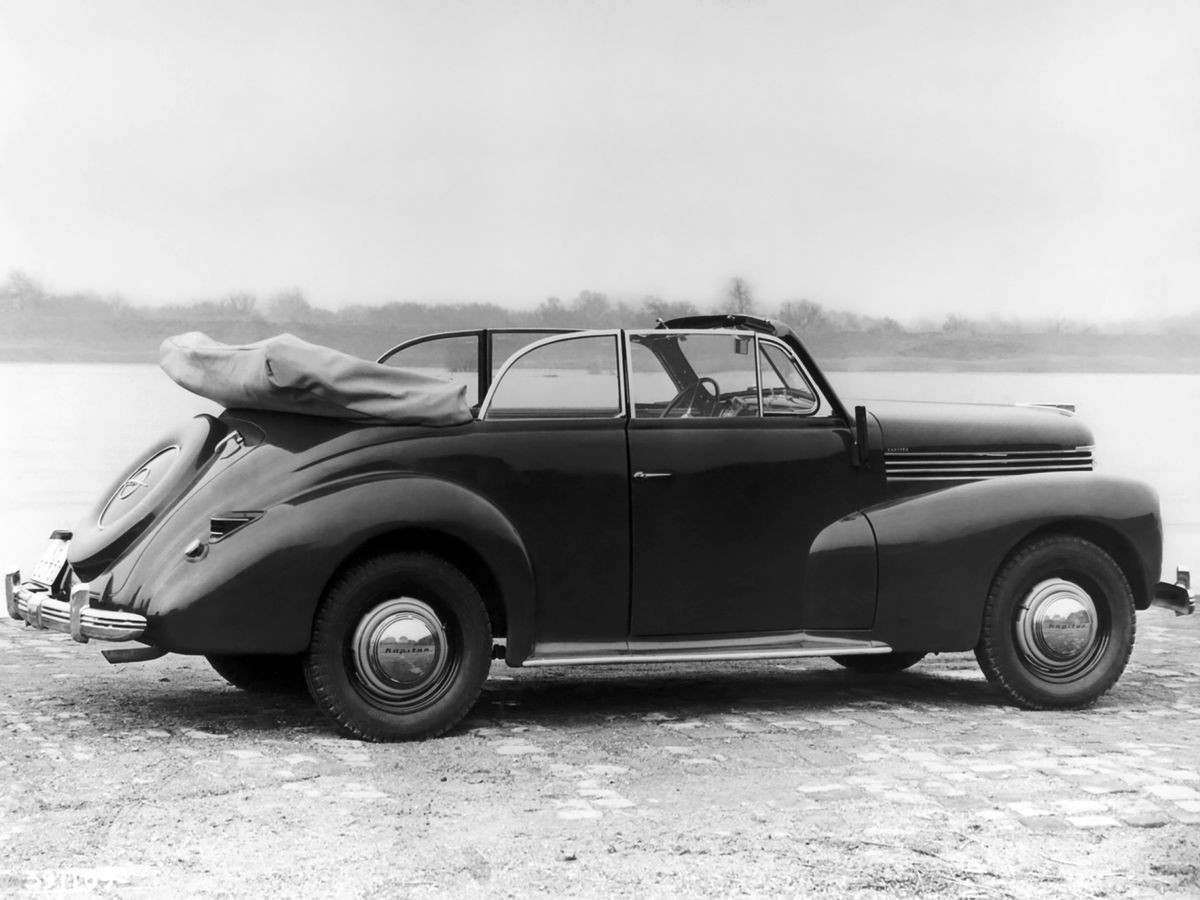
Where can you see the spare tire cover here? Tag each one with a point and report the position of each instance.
(134, 500)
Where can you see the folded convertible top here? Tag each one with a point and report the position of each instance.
(286, 374)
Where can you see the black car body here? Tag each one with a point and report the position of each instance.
(612, 501)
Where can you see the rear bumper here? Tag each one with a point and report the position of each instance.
(33, 605)
(1177, 597)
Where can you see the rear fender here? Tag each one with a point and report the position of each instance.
(257, 590)
(939, 552)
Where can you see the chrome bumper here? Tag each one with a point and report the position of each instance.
(34, 606)
(1177, 597)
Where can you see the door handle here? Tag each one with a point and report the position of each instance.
(651, 474)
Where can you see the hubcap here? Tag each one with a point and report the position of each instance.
(401, 653)
(1058, 630)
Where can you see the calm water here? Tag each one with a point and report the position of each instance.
(69, 429)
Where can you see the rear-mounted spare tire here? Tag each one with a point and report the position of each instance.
(134, 500)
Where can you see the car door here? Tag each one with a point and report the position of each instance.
(549, 451)
(733, 478)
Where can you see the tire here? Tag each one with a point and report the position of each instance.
(137, 498)
(879, 663)
(1058, 626)
(401, 646)
(261, 674)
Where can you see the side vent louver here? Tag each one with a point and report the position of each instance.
(224, 524)
(911, 465)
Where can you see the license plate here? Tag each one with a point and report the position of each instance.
(50, 566)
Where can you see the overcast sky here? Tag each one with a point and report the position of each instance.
(900, 158)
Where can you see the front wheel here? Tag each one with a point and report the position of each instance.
(400, 649)
(1058, 626)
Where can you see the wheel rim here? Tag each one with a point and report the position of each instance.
(1059, 632)
(403, 658)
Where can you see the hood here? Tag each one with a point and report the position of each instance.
(913, 426)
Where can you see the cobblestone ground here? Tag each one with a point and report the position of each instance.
(768, 779)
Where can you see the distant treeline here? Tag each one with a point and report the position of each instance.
(37, 324)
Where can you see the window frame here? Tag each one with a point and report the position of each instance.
(731, 332)
(483, 348)
(618, 355)
(823, 402)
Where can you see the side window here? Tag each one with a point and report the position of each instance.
(650, 384)
(785, 389)
(569, 378)
(698, 375)
(506, 343)
(453, 358)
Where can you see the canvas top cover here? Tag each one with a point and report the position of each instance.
(287, 374)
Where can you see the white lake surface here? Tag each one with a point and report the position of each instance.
(69, 429)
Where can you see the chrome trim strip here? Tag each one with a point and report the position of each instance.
(1065, 407)
(866, 648)
(973, 465)
(1005, 454)
(988, 477)
(979, 463)
(985, 462)
(984, 471)
(758, 374)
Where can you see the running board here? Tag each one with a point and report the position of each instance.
(707, 651)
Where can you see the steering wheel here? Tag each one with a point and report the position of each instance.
(691, 393)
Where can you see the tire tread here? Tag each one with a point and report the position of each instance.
(321, 681)
(986, 651)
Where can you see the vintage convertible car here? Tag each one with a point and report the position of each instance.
(695, 491)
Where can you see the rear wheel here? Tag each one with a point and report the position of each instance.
(261, 674)
(400, 649)
(879, 663)
(1058, 626)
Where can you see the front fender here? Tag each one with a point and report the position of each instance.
(939, 552)
(257, 590)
